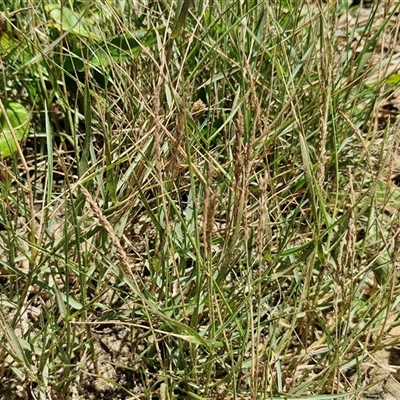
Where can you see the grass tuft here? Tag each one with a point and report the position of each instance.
(206, 202)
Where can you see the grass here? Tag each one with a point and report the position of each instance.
(204, 206)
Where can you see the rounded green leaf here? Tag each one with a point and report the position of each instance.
(19, 121)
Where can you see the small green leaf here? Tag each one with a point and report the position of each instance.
(19, 120)
(393, 79)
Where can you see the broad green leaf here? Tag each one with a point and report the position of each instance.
(72, 61)
(6, 44)
(122, 46)
(68, 20)
(388, 195)
(119, 49)
(19, 120)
